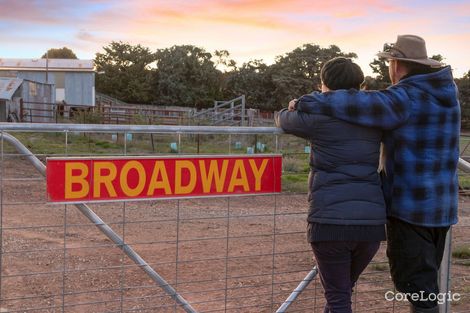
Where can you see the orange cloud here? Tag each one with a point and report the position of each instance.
(251, 11)
(208, 16)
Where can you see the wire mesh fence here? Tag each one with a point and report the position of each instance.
(224, 254)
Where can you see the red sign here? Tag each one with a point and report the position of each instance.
(132, 178)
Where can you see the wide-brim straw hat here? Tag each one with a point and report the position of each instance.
(409, 48)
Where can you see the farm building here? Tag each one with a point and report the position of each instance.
(74, 80)
(25, 100)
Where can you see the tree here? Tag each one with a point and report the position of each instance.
(439, 58)
(60, 53)
(124, 72)
(372, 83)
(380, 67)
(298, 72)
(186, 76)
(463, 85)
(222, 59)
(189, 76)
(466, 75)
(253, 80)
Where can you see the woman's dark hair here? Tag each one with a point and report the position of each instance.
(341, 73)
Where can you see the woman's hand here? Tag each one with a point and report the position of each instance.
(291, 106)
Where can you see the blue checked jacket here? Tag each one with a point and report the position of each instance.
(421, 118)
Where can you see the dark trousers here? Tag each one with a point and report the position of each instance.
(415, 254)
(340, 263)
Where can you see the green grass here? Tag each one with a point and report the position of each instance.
(464, 181)
(296, 163)
(461, 252)
(295, 183)
(381, 267)
(55, 143)
(103, 143)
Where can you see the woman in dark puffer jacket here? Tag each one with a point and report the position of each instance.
(347, 216)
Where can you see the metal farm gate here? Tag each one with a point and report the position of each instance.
(223, 254)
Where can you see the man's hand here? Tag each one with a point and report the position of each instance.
(292, 103)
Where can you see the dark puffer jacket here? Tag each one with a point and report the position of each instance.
(344, 184)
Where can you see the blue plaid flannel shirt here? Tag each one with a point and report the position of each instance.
(420, 117)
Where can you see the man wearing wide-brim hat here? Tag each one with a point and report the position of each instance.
(420, 115)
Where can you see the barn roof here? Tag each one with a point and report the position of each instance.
(53, 65)
(8, 86)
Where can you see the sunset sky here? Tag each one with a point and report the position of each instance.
(256, 29)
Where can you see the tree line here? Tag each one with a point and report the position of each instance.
(187, 75)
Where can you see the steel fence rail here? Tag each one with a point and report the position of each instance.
(106, 128)
(105, 229)
(464, 165)
(298, 290)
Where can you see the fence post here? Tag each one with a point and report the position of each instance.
(444, 272)
(243, 111)
(21, 109)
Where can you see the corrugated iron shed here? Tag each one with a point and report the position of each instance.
(68, 65)
(8, 87)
